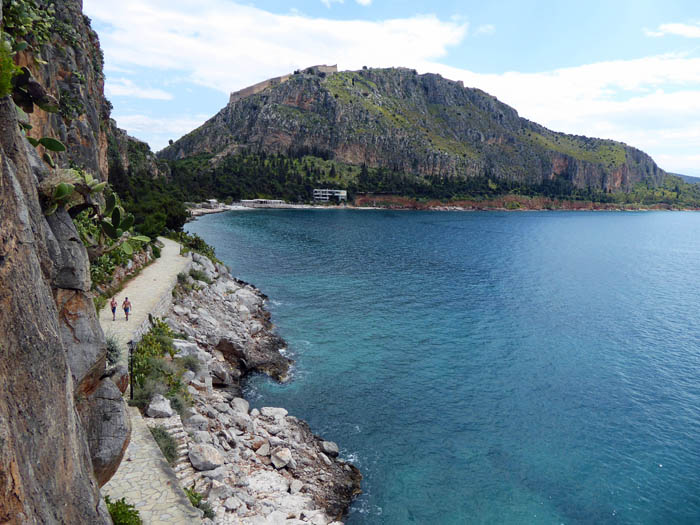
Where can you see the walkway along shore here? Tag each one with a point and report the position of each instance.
(150, 292)
(253, 466)
(144, 477)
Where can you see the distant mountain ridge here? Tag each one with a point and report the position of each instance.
(423, 125)
(687, 178)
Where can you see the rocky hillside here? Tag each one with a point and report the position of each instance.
(63, 423)
(414, 124)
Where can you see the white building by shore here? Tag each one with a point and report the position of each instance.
(325, 195)
(264, 203)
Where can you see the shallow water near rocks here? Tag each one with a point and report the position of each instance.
(488, 367)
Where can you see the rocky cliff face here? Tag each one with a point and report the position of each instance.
(63, 423)
(410, 123)
(74, 75)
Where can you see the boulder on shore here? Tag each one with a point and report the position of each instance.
(159, 407)
(205, 457)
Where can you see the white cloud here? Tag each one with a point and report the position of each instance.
(159, 130)
(228, 46)
(652, 103)
(364, 2)
(686, 30)
(328, 3)
(485, 29)
(123, 87)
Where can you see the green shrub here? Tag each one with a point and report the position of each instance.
(182, 278)
(155, 371)
(156, 251)
(100, 302)
(199, 275)
(143, 393)
(190, 362)
(178, 402)
(7, 71)
(196, 244)
(156, 343)
(123, 513)
(166, 442)
(194, 496)
(197, 501)
(113, 350)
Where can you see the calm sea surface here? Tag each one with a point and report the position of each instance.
(489, 367)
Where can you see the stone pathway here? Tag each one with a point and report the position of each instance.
(144, 477)
(186, 475)
(146, 481)
(149, 292)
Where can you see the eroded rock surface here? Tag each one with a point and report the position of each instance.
(254, 466)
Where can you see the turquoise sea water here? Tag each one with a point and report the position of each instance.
(489, 367)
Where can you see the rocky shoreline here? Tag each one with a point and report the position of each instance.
(253, 466)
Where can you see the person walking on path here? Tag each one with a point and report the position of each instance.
(113, 306)
(126, 305)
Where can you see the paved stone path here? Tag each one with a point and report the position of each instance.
(149, 292)
(144, 477)
(146, 481)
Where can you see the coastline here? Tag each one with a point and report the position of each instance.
(270, 465)
(507, 204)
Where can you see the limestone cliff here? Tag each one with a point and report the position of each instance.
(420, 124)
(63, 423)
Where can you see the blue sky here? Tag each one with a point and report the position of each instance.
(626, 70)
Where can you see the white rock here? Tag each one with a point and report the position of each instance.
(243, 312)
(201, 436)
(206, 317)
(281, 457)
(242, 421)
(188, 376)
(232, 503)
(185, 348)
(295, 486)
(159, 407)
(204, 262)
(275, 412)
(325, 459)
(267, 481)
(205, 457)
(238, 404)
(248, 299)
(180, 310)
(277, 517)
(264, 449)
(197, 421)
(255, 328)
(330, 448)
(218, 474)
(254, 413)
(318, 519)
(219, 490)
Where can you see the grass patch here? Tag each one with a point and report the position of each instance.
(190, 362)
(166, 442)
(199, 275)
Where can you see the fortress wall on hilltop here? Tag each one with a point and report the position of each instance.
(261, 86)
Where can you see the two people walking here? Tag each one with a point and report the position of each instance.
(126, 306)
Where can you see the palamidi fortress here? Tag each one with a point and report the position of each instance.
(257, 88)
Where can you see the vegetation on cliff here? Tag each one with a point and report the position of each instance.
(419, 135)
